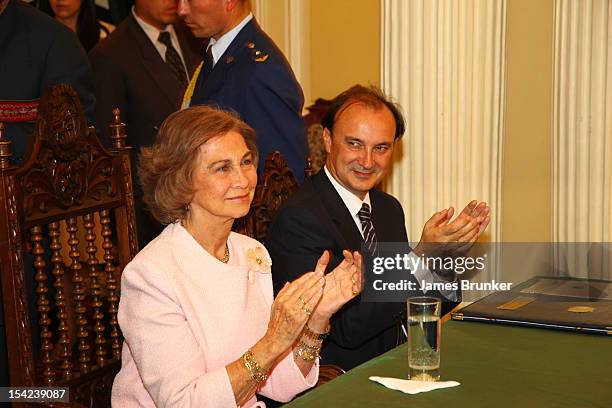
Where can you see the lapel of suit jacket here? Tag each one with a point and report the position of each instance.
(338, 212)
(380, 218)
(237, 50)
(160, 73)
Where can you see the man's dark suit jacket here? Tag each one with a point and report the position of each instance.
(36, 51)
(315, 219)
(130, 74)
(254, 79)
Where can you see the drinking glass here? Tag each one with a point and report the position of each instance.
(424, 338)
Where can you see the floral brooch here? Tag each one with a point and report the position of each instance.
(258, 260)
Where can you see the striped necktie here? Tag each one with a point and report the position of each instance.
(369, 235)
(173, 59)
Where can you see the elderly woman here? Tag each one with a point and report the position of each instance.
(197, 312)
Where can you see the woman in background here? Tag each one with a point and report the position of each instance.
(80, 17)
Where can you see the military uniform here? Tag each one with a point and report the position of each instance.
(254, 79)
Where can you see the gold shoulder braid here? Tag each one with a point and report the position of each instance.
(258, 56)
(191, 87)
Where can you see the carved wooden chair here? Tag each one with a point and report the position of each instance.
(67, 230)
(314, 133)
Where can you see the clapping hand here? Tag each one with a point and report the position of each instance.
(341, 285)
(293, 306)
(441, 235)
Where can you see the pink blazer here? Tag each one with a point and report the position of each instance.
(185, 316)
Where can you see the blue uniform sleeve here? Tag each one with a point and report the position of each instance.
(273, 105)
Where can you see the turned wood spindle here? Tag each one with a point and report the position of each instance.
(79, 295)
(5, 149)
(42, 303)
(95, 290)
(111, 284)
(60, 301)
(117, 131)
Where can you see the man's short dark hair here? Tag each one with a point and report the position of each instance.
(371, 97)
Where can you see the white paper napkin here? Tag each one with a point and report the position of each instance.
(411, 386)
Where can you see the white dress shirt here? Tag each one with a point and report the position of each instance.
(350, 200)
(153, 34)
(220, 46)
(354, 203)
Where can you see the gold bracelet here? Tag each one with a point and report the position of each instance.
(257, 373)
(307, 352)
(314, 335)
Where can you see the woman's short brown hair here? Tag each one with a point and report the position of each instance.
(166, 168)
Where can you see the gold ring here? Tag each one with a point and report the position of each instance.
(306, 310)
(303, 303)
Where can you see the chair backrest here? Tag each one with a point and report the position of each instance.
(314, 133)
(67, 229)
(274, 186)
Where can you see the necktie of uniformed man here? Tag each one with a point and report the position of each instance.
(369, 235)
(208, 63)
(173, 58)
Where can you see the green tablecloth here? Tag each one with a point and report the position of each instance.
(497, 366)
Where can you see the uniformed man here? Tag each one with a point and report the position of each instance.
(244, 71)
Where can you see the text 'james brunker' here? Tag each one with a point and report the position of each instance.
(425, 286)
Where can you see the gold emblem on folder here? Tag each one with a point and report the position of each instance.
(581, 309)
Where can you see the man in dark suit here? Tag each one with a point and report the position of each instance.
(244, 71)
(36, 52)
(142, 68)
(340, 208)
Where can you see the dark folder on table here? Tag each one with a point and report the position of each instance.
(583, 305)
